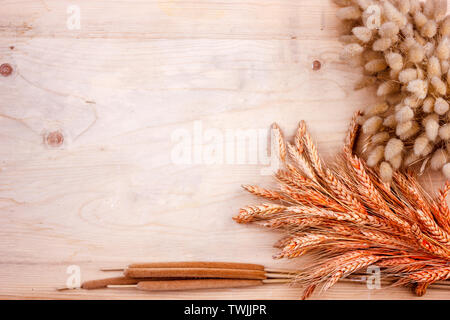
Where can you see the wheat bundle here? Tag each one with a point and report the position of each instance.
(347, 218)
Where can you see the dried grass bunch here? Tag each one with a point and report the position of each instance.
(348, 219)
(404, 48)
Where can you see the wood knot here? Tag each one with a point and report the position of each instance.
(54, 139)
(6, 69)
(316, 65)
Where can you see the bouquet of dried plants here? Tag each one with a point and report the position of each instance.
(404, 49)
(347, 218)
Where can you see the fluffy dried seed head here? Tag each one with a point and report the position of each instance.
(439, 159)
(407, 75)
(415, 5)
(443, 50)
(441, 106)
(420, 19)
(428, 149)
(390, 121)
(351, 50)
(434, 67)
(445, 27)
(413, 130)
(429, 48)
(394, 61)
(388, 30)
(439, 86)
(396, 162)
(418, 87)
(431, 124)
(403, 128)
(376, 109)
(403, 6)
(349, 13)
(445, 66)
(412, 101)
(376, 65)
(404, 114)
(375, 156)
(394, 15)
(382, 44)
(416, 53)
(387, 87)
(363, 34)
(428, 105)
(379, 138)
(440, 9)
(444, 132)
(429, 30)
(393, 147)
(446, 170)
(408, 30)
(372, 125)
(386, 171)
(420, 144)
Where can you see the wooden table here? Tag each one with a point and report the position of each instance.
(91, 116)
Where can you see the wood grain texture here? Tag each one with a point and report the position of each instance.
(116, 90)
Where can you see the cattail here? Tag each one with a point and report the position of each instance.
(376, 65)
(444, 132)
(349, 13)
(387, 87)
(372, 125)
(429, 29)
(434, 67)
(382, 44)
(438, 160)
(431, 124)
(394, 61)
(375, 156)
(363, 34)
(446, 170)
(441, 106)
(439, 86)
(416, 53)
(376, 109)
(407, 75)
(386, 171)
(418, 87)
(404, 114)
(420, 144)
(428, 105)
(393, 148)
(380, 137)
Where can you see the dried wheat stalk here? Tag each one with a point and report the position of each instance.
(348, 219)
